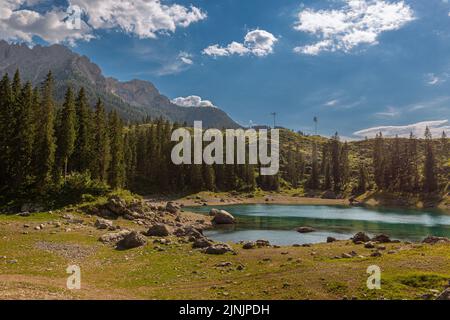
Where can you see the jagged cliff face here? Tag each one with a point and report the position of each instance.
(133, 100)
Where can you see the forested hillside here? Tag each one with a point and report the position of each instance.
(64, 153)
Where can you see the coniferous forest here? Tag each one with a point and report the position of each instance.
(62, 152)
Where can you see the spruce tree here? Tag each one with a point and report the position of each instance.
(336, 169)
(67, 131)
(430, 179)
(46, 145)
(101, 147)
(117, 166)
(6, 128)
(313, 182)
(23, 137)
(83, 147)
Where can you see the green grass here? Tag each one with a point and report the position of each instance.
(182, 273)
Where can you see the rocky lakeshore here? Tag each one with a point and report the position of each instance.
(157, 249)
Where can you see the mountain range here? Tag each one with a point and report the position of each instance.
(134, 100)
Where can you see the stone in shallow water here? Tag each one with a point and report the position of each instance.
(306, 230)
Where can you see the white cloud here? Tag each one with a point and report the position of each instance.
(257, 42)
(418, 129)
(186, 58)
(18, 24)
(434, 79)
(181, 62)
(357, 22)
(141, 18)
(390, 112)
(332, 103)
(193, 101)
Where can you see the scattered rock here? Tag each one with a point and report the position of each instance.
(24, 214)
(103, 224)
(445, 295)
(132, 240)
(346, 256)
(376, 254)
(435, 240)
(158, 230)
(224, 264)
(262, 243)
(172, 208)
(223, 217)
(114, 237)
(202, 243)
(218, 249)
(331, 240)
(369, 245)
(306, 230)
(360, 237)
(249, 245)
(382, 238)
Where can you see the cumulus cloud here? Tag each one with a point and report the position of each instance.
(357, 22)
(193, 101)
(18, 24)
(418, 129)
(257, 42)
(141, 18)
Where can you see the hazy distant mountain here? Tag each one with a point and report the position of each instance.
(133, 100)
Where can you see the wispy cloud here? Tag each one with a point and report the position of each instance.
(390, 112)
(182, 62)
(418, 129)
(433, 79)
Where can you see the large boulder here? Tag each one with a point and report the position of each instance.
(189, 231)
(158, 230)
(435, 240)
(360, 237)
(114, 237)
(218, 249)
(382, 238)
(117, 206)
(132, 240)
(102, 224)
(249, 245)
(213, 212)
(202, 243)
(223, 217)
(331, 240)
(305, 230)
(172, 208)
(262, 243)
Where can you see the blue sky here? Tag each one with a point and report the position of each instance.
(394, 70)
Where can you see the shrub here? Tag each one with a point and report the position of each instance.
(80, 186)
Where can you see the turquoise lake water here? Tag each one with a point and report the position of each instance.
(278, 223)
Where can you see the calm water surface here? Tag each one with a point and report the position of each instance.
(277, 223)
